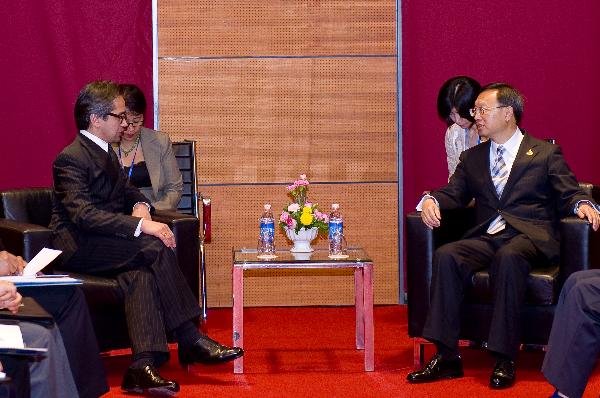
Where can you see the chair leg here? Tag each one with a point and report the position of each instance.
(203, 281)
(418, 351)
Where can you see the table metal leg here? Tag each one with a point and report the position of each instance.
(238, 316)
(368, 312)
(359, 306)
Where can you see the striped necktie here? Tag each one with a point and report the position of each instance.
(499, 177)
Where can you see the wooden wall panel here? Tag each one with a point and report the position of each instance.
(369, 221)
(262, 120)
(228, 28)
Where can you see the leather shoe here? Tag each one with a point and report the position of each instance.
(208, 351)
(503, 375)
(437, 368)
(147, 380)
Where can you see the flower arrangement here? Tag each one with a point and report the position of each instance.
(301, 213)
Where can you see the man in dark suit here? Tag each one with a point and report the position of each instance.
(522, 187)
(104, 226)
(574, 342)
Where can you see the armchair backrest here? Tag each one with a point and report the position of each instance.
(29, 205)
(185, 155)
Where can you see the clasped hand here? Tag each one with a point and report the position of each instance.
(9, 297)
(11, 264)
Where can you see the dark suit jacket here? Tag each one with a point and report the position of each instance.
(540, 190)
(87, 200)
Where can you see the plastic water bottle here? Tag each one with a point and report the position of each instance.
(266, 237)
(336, 231)
(336, 222)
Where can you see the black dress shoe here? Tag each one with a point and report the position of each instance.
(147, 380)
(437, 368)
(503, 375)
(208, 351)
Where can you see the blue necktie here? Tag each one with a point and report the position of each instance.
(499, 177)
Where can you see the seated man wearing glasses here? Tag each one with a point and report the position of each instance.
(521, 187)
(103, 225)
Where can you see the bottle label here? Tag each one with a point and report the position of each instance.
(335, 226)
(267, 225)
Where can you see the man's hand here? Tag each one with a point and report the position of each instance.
(141, 210)
(430, 214)
(160, 230)
(586, 211)
(10, 264)
(9, 297)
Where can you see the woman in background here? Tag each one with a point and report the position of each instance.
(455, 99)
(146, 155)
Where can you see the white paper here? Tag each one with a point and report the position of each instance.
(43, 258)
(44, 280)
(11, 337)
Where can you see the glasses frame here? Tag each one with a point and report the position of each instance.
(134, 124)
(482, 110)
(122, 116)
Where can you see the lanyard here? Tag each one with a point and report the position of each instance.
(132, 159)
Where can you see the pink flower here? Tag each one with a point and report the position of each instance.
(291, 187)
(284, 217)
(293, 207)
(291, 223)
(303, 176)
(301, 183)
(321, 216)
(309, 204)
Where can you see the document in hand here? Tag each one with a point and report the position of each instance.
(30, 275)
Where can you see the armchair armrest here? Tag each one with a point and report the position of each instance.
(23, 239)
(185, 228)
(579, 246)
(419, 255)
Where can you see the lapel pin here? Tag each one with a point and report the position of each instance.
(529, 153)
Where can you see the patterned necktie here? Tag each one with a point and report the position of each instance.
(499, 177)
(499, 171)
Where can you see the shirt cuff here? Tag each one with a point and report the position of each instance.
(138, 230)
(423, 199)
(595, 207)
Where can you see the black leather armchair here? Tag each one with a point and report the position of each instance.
(579, 248)
(23, 228)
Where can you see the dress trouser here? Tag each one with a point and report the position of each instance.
(574, 341)
(17, 368)
(69, 309)
(509, 256)
(51, 376)
(157, 296)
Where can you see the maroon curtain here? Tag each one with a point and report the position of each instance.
(49, 50)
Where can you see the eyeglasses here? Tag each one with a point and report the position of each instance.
(482, 110)
(134, 123)
(121, 116)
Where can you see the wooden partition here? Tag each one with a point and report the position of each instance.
(272, 90)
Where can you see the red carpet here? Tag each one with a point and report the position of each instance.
(309, 352)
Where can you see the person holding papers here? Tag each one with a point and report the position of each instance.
(49, 377)
(69, 309)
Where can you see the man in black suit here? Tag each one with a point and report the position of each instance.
(104, 226)
(522, 187)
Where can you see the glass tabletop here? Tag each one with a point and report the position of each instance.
(248, 258)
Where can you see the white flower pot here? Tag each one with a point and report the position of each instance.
(302, 239)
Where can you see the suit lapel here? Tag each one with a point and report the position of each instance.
(526, 153)
(102, 161)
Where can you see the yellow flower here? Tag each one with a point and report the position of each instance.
(306, 218)
(307, 209)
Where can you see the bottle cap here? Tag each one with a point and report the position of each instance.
(335, 206)
(267, 206)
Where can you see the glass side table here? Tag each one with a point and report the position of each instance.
(363, 290)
